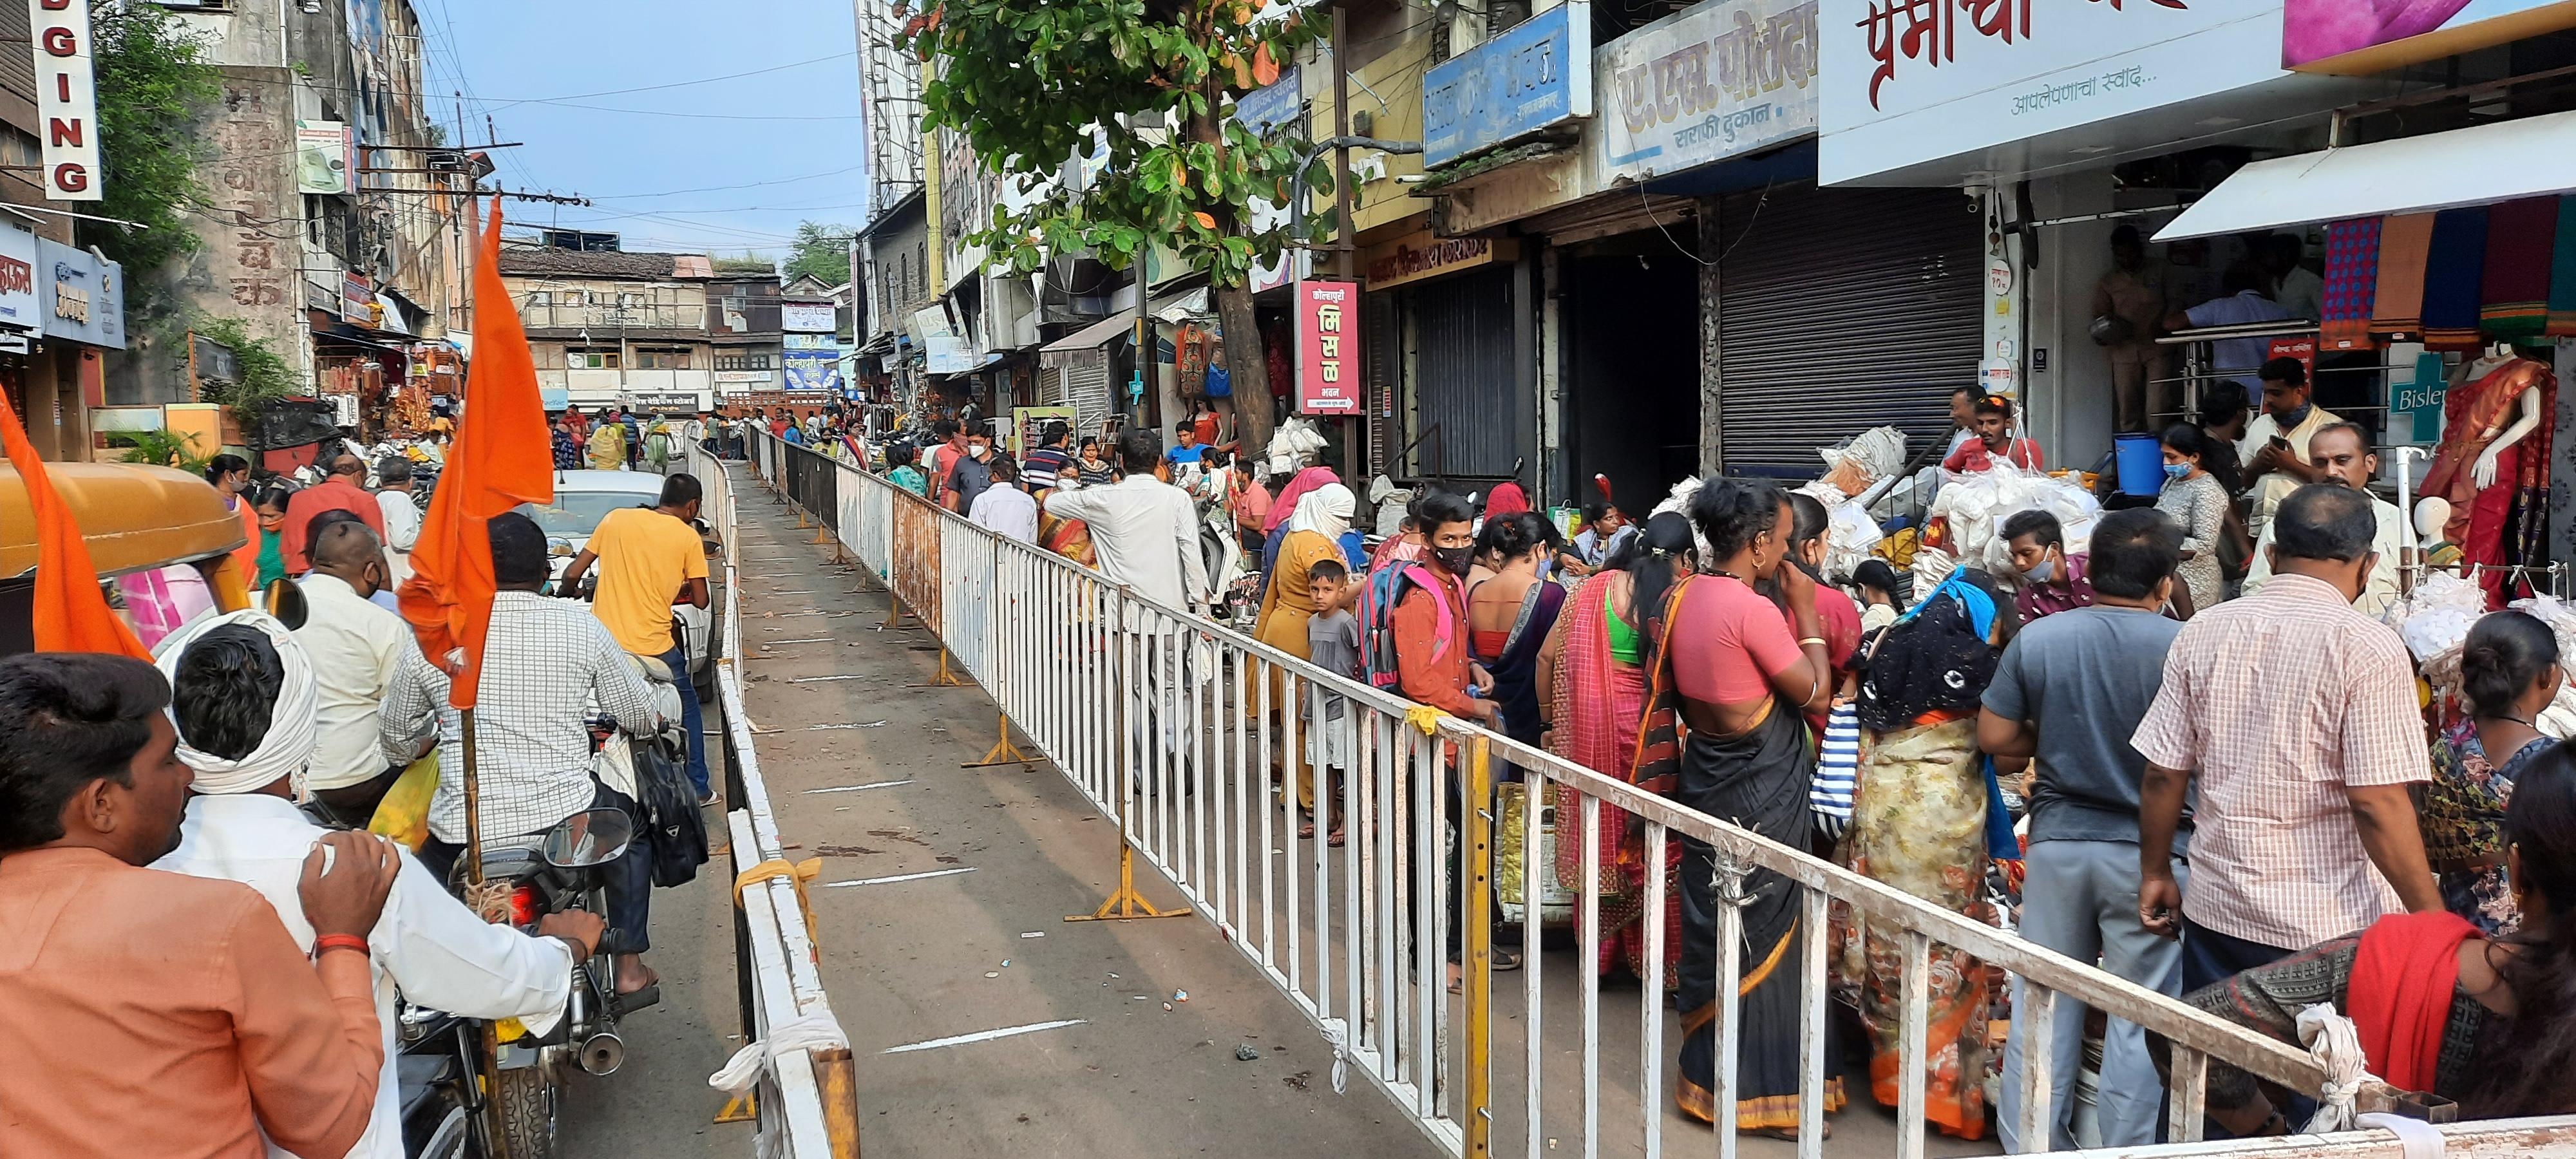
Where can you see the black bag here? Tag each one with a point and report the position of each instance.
(670, 820)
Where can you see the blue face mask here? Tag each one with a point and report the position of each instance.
(2177, 471)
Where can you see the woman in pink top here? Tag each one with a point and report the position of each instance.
(1724, 735)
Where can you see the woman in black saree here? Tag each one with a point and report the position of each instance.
(1724, 734)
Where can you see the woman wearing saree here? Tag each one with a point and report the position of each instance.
(1723, 735)
(1508, 619)
(1313, 533)
(1591, 673)
(2509, 672)
(1919, 823)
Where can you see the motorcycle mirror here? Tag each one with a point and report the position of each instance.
(591, 837)
(286, 602)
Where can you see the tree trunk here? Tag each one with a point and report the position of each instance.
(1248, 370)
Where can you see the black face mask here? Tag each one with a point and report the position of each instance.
(1456, 559)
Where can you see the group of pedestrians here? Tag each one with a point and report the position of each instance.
(616, 439)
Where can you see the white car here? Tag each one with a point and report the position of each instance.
(582, 499)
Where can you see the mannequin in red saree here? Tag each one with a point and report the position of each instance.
(2493, 465)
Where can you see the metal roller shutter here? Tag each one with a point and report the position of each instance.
(1463, 371)
(1382, 344)
(1841, 310)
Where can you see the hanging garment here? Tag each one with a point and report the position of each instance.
(2513, 299)
(2397, 306)
(2504, 523)
(2454, 276)
(2562, 272)
(2352, 283)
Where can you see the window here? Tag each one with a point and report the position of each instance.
(572, 298)
(540, 298)
(629, 301)
(742, 362)
(591, 359)
(661, 360)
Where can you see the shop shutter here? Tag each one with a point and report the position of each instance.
(1086, 387)
(1382, 340)
(1841, 310)
(1463, 374)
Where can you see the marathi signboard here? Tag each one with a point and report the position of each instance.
(2355, 39)
(1724, 78)
(66, 100)
(1420, 255)
(18, 305)
(812, 369)
(733, 377)
(1908, 81)
(1534, 74)
(1278, 103)
(806, 317)
(321, 157)
(82, 295)
(1328, 348)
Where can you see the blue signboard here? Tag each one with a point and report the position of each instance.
(81, 295)
(1277, 103)
(813, 370)
(1534, 74)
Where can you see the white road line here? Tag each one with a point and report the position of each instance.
(870, 724)
(812, 679)
(796, 592)
(899, 877)
(802, 640)
(856, 788)
(985, 1035)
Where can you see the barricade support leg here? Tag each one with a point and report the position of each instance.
(1003, 751)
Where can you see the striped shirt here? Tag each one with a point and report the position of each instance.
(2276, 703)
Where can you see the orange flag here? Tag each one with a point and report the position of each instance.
(502, 456)
(71, 613)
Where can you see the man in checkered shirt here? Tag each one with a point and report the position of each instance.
(2295, 716)
(545, 662)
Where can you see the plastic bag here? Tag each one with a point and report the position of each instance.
(403, 814)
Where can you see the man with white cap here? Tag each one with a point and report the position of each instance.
(243, 697)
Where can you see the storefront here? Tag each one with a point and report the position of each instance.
(1450, 341)
(81, 310)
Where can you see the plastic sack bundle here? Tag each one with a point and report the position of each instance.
(2434, 621)
(1857, 463)
(1976, 506)
(1294, 445)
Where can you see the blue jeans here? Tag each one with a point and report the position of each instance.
(678, 660)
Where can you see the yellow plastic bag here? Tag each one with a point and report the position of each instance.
(404, 813)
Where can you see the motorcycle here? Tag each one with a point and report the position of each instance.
(443, 1108)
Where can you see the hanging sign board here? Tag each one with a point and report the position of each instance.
(1328, 348)
(66, 99)
(1534, 74)
(1722, 78)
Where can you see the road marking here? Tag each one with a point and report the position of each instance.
(856, 788)
(984, 1035)
(801, 640)
(870, 724)
(812, 679)
(798, 592)
(899, 877)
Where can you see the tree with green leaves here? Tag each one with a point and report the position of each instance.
(820, 250)
(1031, 83)
(154, 82)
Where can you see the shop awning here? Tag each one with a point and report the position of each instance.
(2476, 166)
(1093, 335)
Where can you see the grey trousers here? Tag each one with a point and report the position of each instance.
(2080, 898)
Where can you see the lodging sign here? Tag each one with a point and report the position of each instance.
(1707, 83)
(1328, 348)
(1535, 74)
(66, 99)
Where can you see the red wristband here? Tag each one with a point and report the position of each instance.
(339, 942)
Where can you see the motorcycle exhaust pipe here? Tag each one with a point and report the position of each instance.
(602, 1053)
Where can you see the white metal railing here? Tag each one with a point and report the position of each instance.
(1177, 727)
(782, 979)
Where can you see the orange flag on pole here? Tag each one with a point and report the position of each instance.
(502, 456)
(71, 613)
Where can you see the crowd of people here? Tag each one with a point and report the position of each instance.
(2185, 748)
(185, 844)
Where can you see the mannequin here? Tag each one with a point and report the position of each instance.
(2439, 554)
(2494, 451)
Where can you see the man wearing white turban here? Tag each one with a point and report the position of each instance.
(243, 696)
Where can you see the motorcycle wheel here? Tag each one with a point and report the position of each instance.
(526, 1100)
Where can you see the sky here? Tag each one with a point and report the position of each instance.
(749, 122)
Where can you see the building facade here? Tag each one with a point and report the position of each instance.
(611, 328)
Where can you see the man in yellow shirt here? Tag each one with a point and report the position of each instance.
(650, 559)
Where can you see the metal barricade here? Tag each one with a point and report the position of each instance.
(1198, 740)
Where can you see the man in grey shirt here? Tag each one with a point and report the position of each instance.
(2069, 691)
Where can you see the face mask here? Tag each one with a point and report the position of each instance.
(2041, 572)
(2177, 471)
(1456, 559)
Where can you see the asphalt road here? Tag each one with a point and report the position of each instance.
(864, 770)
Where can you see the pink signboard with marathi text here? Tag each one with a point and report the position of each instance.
(1328, 348)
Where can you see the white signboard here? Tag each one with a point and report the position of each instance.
(806, 317)
(66, 99)
(18, 299)
(1724, 78)
(1908, 82)
(729, 377)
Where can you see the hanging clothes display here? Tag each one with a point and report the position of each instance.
(2562, 272)
(2454, 275)
(2514, 293)
(2505, 522)
(2352, 283)
(2397, 305)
